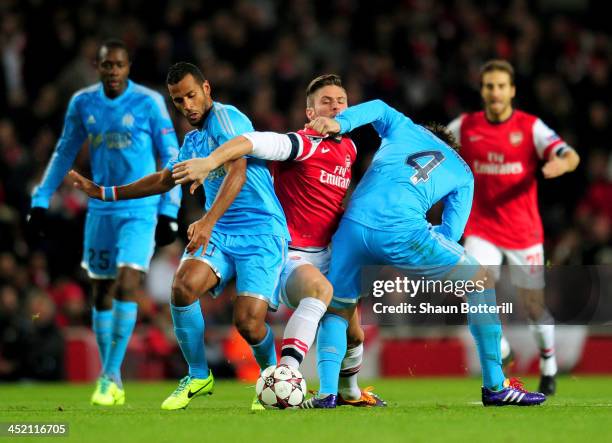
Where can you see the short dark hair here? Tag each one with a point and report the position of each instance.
(178, 71)
(443, 134)
(497, 65)
(112, 43)
(320, 82)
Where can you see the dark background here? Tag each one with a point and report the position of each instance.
(420, 56)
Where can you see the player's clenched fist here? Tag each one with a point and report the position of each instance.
(324, 125)
(86, 185)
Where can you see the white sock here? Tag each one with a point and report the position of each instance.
(351, 364)
(545, 338)
(301, 331)
(505, 347)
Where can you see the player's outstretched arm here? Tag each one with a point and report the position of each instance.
(558, 165)
(383, 117)
(152, 184)
(197, 169)
(66, 150)
(200, 231)
(263, 145)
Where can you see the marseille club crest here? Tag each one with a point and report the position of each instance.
(128, 120)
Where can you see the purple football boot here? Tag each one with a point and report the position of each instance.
(515, 395)
(317, 402)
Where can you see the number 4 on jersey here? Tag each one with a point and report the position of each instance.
(422, 172)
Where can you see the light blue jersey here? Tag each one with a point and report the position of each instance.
(385, 222)
(249, 241)
(256, 210)
(411, 171)
(126, 136)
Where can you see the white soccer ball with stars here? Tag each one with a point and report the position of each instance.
(280, 387)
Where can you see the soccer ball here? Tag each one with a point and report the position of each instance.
(280, 387)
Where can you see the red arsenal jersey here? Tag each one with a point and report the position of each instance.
(504, 157)
(311, 188)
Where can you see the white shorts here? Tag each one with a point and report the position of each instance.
(527, 265)
(299, 257)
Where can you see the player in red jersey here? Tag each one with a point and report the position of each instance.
(311, 178)
(504, 147)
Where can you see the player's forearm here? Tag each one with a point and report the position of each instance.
(374, 111)
(229, 190)
(58, 167)
(152, 184)
(231, 150)
(457, 207)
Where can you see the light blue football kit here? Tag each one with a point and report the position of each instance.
(126, 136)
(411, 171)
(385, 224)
(248, 242)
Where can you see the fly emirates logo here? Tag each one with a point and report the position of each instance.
(337, 178)
(495, 166)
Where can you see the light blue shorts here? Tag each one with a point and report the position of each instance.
(122, 239)
(255, 260)
(423, 252)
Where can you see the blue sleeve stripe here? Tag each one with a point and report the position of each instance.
(219, 119)
(225, 120)
(229, 121)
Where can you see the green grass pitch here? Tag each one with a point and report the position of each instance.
(420, 410)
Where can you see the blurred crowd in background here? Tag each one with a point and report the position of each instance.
(421, 56)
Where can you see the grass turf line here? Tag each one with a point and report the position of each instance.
(420, 410)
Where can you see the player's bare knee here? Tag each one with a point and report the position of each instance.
(129, 281)
(192, 279)
(321, 289)
(184, 291)
(307, 281)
